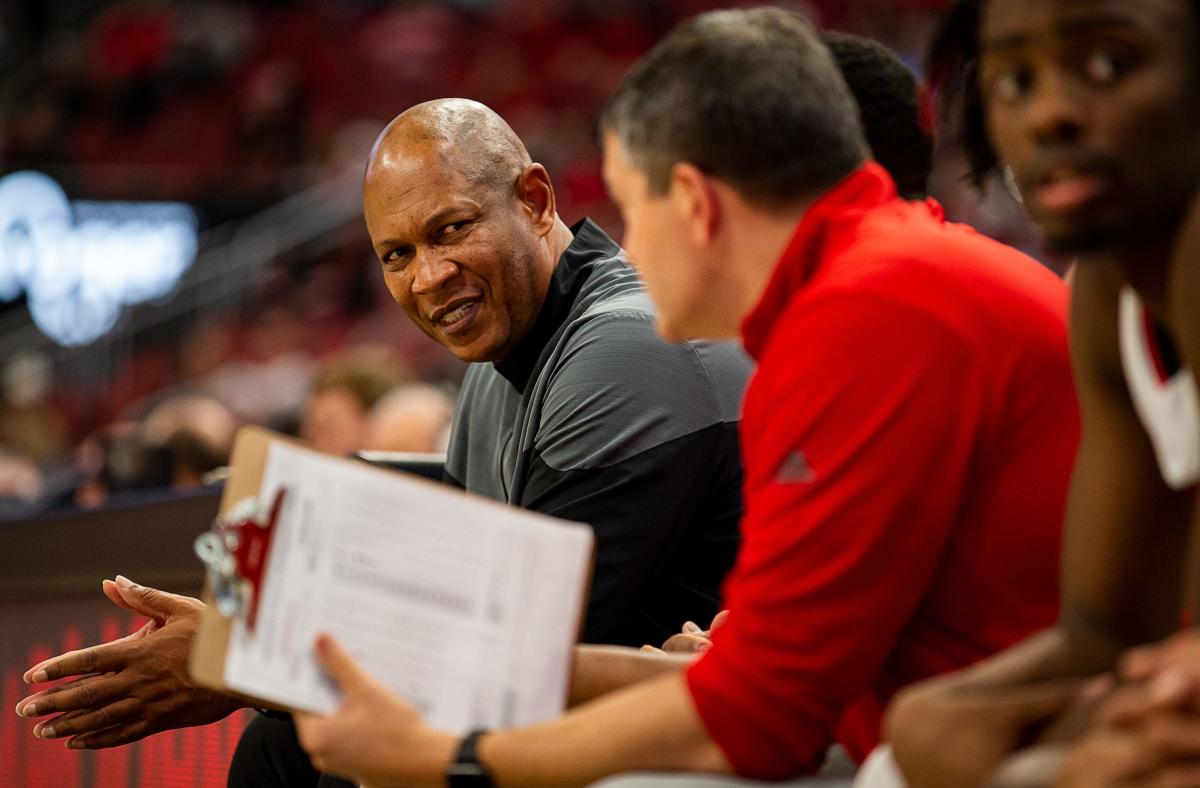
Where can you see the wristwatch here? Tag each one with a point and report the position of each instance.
(467, 771)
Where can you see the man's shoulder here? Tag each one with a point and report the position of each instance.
(617, 389)
(617, 343)
(904, 251)
(617, 295)
(944, 274)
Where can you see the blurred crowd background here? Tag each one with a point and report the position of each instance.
(260, 115)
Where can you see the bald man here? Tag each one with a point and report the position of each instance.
(414, 417)
(577, 409)
(573, 407)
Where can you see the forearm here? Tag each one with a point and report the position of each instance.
(652, 726)
(954, 729)
(600, 670)
(1184, 287)
(1072, 648)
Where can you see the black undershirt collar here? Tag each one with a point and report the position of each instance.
(574, 270)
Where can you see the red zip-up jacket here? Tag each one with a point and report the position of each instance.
(907, 439)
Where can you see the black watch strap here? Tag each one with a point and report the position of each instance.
(467, 771)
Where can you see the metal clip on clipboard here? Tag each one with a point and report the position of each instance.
(235, 553)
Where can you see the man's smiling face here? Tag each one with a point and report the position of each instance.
(459, 256)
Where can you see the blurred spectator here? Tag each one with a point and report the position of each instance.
(128, 463)
(20, 482)
(179, 441)
(343, 391)
(196, 434)
(414, 417)
(29, 424)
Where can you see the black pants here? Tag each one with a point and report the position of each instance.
(269, 756)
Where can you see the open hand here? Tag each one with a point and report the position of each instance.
(132, 687)
(375, 737)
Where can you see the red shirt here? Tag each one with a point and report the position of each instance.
(907, 441)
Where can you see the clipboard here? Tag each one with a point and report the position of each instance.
(248, 462)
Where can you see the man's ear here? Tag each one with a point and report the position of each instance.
(536, 193)
(695, 202)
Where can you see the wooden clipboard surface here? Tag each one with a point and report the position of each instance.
(246, 466)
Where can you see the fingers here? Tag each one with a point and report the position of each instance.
(718, 620)
(1139, 663)
(1128, 705)
(151, 602)
(84, 693)
(686, 644)
(148, 628)
(1182, 650)
(113, 737)
(1174, 687)
(340, 666)
(1158, 743)
(94, 659)
(45, 730)
(1134, 702)
(690, 628)
(82, 722)
(1105, 758)
(1171, 670)
(114, 595)
(652, 649)
(312, 732)
(1170, 737)
(307, 724)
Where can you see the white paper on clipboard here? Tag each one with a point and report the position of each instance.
(465, 607)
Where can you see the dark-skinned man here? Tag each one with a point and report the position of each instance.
(573, 407)
(1095, 108)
